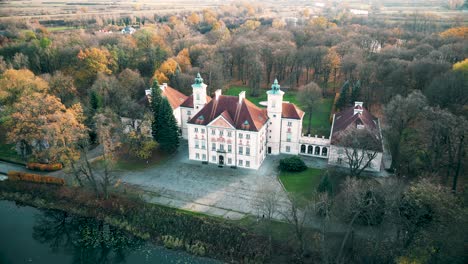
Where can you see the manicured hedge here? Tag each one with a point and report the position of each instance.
(29, 177)
(292, 164)
(44, 167)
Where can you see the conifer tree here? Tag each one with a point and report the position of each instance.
(168, 135)
(343, 99)
(155, 104)
(356, 91)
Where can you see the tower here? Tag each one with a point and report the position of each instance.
(199, 93)
(274, 109)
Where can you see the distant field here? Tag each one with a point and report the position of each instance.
(320, 119)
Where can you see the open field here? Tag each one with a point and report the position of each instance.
(301, 183)
(320, 119)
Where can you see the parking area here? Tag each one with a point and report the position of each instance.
(206, 188)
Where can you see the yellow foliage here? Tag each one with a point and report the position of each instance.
(278, 23)
(321, 22)
(461, 66)
(167, 69)
(183, 59)
(458, 32)
(193, 19)
(94, 61)
(209, 16)
(15, 83)
(251, 24)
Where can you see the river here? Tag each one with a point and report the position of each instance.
(30, 235)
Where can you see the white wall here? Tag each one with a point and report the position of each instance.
(295, 128)
(337, 152)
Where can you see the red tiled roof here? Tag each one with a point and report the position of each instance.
(174, 97)
(347, 119)
(189, 101)
(291, 111)
(245, 116)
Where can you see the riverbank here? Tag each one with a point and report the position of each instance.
(194, 233)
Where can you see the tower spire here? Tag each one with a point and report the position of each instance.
(275, 87)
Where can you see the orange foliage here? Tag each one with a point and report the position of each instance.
(167, 69)
(458, 32)
(44, 167)
(29, 177)
(183, 59)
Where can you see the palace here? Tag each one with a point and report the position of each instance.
(232, 131)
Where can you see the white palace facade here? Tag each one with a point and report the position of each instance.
(232, 131)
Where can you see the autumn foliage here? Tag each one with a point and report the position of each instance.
(44, 167)
(458, 32)
(29, 177)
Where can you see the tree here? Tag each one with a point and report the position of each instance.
(45, 128)
(308, 97)
(399, 114)
(62, 86)
(361, 147)
(155, 105)
(16, 83)
(343, 100)
(296, 214)
(267, 201)
(168, 135)
(93, 61)
(166, 71)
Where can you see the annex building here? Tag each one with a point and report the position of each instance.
(232, 131)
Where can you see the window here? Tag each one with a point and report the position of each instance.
(221, 147)
(213, 158)
(213, 146)
(196, 144)
(229, 134)
(273, 103)
(241, 163)
(203, 130)
(240, 135)
(196, 129)
(213, 132)
(247, 163)
(229, 148)
(188, 112)
(247, 136)
(204, 156)
(303, 148)
(221, 133)
(241, 150)
(288, 149)
(247, 151)
(203, 144)
(229, 160)
(198, 96)
(340, 160)
(289, 124)
(274, 115)
(288, 137)
(197, 156)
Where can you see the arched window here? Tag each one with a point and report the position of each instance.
(310, 149)
(317, 151)
(303, 148)
(324, 151)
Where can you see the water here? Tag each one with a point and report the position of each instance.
(30, 235)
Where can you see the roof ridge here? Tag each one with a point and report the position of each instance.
(238, 108)
(250, 114)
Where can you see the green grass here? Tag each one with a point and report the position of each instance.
(63, 28)
(301, 183)
(320, 118)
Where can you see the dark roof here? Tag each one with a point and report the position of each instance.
(347, 120)
(189, 101)
(245, 116)
(291, 111)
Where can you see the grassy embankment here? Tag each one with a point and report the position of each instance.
(320, 124)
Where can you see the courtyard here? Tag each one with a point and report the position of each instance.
(205, 188)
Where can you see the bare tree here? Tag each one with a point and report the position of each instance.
(296, 215)
(267, 201)
(361, 148)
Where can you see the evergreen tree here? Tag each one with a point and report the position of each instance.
(325, 185)
(343, 99)
(155, 104)
(356, 91)
(168, 135)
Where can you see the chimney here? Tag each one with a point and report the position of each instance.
(163, 86)
(148, 92)
(357, 108)
(241, 96)
(217, 94)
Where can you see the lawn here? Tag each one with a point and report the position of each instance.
(320, 119)
(129, 163)
(301, 183)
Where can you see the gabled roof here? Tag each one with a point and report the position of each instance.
(189, 101)
(348, 119)
(244, 115)
(174, 97)
(291, 111)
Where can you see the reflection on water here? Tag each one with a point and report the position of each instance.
(29, 235)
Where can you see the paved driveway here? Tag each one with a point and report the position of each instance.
(186, 184)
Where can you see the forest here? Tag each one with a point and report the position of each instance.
(64, 89)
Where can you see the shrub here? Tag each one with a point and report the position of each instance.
(22, 176)
(172, 242)
(292, 164)
(44, 167)
(325, 185)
